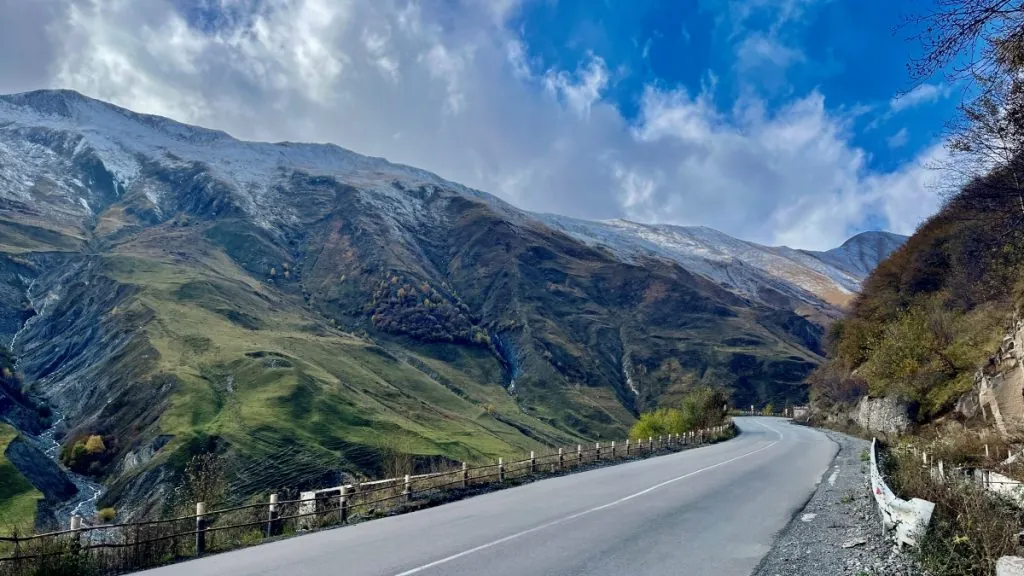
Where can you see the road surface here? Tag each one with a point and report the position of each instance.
(713, 510)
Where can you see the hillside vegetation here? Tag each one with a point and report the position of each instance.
(933, 311)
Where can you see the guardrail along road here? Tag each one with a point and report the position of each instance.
(712, 510)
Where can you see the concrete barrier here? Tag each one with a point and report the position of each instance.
(908, 519)
(1010, 566)
(1001, 485)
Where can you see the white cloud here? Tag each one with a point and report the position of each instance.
(447, 86)
(579, 94)
(757, 49)
(921, 94)
(899, 139)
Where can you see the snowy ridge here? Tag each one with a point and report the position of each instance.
(123, 140)
(47, 137)
(744, 267)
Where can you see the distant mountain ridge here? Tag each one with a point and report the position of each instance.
(821, 280)
(173, 289)
(861, 254)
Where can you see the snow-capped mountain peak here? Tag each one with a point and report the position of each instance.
(753, 270)
(64, 157)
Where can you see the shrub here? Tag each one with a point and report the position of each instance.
(969, 529)
(94, 445)
(106, 515)
(88, 455)
(699, 408)
(204, 479)
(405, 307)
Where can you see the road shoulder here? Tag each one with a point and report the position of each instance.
(839, 531)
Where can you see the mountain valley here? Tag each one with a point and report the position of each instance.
(172, 290)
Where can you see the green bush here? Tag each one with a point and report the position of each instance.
(699, 408)
(87, 455)
(106, 515)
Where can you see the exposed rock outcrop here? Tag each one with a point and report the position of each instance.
(998, 392)
(886, 415)
(40, 470)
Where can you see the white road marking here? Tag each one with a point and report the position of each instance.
(464, 553)
(832, 478)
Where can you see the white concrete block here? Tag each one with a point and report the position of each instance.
(1010, 566)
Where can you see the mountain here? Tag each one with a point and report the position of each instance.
(861, 254)
(813, 283)
(306, 310)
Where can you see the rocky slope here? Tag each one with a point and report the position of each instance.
(173, 290)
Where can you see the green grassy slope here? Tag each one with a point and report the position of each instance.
(273, 380)
(18, 498)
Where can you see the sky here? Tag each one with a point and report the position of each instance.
(778, 121)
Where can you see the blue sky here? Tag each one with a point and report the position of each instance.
(852, 52)
(772, 120)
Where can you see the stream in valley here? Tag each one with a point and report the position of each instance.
(82, 503)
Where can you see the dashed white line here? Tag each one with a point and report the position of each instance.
(833, 477)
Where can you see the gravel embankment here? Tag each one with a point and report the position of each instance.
(839, 531)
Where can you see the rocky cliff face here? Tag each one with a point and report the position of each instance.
(998, 393)
(883, 415)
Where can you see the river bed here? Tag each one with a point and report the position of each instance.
(84, 502)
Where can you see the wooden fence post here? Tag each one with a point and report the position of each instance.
(533, 463)
(579, 453)
(200, 528)
(597, 451)
(561, 459)
(343, 505)
(272, 517)
(650, 443)
(76, 526)
(501, 470)
(407, 488)
(613, 449)
(465, 475)
(627, 447)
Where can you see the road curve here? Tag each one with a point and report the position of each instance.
(708, 511)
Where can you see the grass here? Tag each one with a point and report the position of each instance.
(287, 388)
(18, 498)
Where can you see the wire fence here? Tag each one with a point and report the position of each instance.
(993, 467)
(117, 548)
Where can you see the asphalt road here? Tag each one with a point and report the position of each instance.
(708, 511)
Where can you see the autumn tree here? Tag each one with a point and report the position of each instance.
(979, 46)
(94, 445)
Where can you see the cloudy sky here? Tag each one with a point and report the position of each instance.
(778, 121)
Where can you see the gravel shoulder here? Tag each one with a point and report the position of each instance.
(839, 531)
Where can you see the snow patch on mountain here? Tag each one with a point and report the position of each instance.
(122, 140)
(744, 267)
(44, 134)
